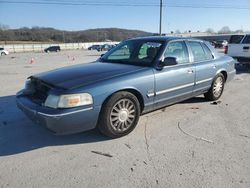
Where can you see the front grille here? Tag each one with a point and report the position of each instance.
(40, 91)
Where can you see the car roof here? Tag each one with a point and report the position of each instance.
(164, 38)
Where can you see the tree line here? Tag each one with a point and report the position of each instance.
(42, 34)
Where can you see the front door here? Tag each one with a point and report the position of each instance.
(174, 83)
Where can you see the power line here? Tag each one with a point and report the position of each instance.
(208, 6)
(124, 4)
(77, 3)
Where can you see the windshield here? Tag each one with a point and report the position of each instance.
(135, 52)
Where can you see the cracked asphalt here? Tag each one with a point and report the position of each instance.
(190, 144)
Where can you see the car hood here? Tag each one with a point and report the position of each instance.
(85, 74)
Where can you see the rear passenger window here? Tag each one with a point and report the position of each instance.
(177, 50)
(197, 50)
(208, 53)
(246, 40)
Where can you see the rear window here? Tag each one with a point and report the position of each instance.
(246, 40)
(208, 53)
(1, 48)
(197, 50)
(236, 39)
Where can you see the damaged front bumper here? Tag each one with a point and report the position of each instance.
(60, 121)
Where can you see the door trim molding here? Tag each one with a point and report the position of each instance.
(173, 89)
(203, 81)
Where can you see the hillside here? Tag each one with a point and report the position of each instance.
(54, 35)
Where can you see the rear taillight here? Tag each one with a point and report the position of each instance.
(226, 50)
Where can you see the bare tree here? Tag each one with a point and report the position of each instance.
(225, 30)
(210, 30)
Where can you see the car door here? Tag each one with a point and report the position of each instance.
(174, 83)
(205, 66)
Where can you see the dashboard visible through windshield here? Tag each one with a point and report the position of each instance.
(135, 52)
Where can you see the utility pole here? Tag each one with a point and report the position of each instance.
(160, 17)
(63, 37)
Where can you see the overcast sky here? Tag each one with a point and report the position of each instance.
(195, 15)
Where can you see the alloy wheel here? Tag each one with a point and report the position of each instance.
(218, 87)
(122, 115)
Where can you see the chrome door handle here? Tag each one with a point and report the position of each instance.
(214, 66)
(190, 71)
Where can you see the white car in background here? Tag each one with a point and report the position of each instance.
(3, 52)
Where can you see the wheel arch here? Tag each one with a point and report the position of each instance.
(134, 91)
(224, 72)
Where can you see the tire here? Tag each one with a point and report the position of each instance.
(3, 53)
(119, 115)
(217, 87)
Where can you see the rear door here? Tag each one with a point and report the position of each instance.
(174, 83)
(205, 65)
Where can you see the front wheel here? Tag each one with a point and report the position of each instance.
(3, 53)
(216, 89)
(119, 115)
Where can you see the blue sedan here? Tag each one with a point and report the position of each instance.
(137, 76)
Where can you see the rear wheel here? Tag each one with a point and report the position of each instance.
(216, 89)
(3, 53)
(119, 115)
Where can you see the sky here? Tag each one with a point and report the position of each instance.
(194, 15)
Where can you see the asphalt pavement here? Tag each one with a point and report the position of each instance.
(194, 143)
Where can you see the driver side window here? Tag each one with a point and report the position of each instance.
(178, 50)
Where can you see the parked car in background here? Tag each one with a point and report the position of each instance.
(137, 76)
(239, 47)
(94, 47)
(52, 49)
(105, 47)
(3, 51)
(220, 43)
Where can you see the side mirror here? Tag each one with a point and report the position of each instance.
(169, 61)
(102, 55)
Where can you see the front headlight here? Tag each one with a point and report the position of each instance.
(68, 101)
